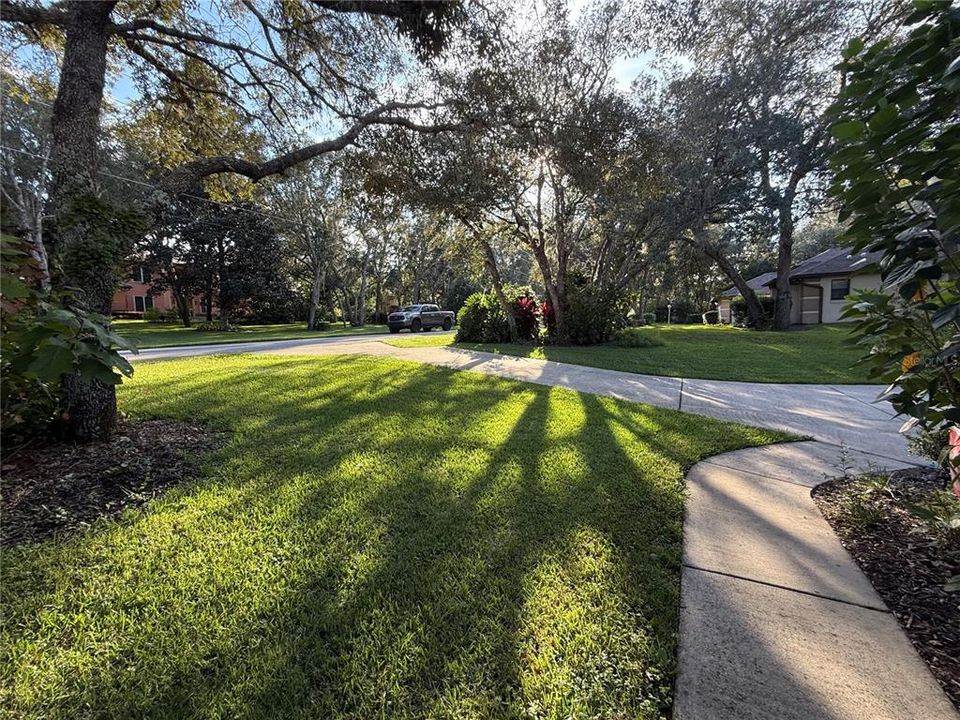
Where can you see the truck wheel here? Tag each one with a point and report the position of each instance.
(394, 330)
(416, 326)
(447, 323)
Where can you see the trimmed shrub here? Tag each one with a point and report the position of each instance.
(738, 312)
(649, 318)
(152, 315)
(214, 326)
(593, 314)
(481, 319)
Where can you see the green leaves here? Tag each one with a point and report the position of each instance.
(47, 335)
(854, 48)
(51, 360)
(895, 176)
(848, 130)
(883, 119)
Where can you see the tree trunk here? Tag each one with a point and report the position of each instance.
(89, 406)
(344, 306)
(183, 307)
(314, 297)
(39, 253)
(557, 299)
(754, 308)
(208, 301)
(490, 260)
(362, 298)
(223, 285)
(781, 296)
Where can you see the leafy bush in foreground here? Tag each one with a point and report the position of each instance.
(895, 176)
(481, 319)
(44, 336)
(593, 313)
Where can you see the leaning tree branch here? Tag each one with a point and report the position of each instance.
(14, 12)
(385, 8)
(187, 175)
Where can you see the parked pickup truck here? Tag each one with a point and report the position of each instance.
(419, 317)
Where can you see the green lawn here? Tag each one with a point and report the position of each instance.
(378, 539)
(716, 352)
(156, 334)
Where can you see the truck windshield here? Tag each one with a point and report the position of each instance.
(410, 308)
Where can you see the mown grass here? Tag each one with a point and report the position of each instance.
(157, 334)
(378, 539)
(715, 352)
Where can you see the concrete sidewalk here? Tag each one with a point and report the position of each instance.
(776, 619)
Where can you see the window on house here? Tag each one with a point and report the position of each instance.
(140, 274)
(839, 288)
(142, 302)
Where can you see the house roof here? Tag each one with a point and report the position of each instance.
(758, 283)
(835, 261)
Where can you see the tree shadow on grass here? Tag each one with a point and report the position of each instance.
(368, 562)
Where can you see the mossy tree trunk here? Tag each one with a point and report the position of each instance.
(87, 259)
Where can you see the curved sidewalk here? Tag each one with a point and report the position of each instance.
(776, 620)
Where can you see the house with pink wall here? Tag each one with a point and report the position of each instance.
(133, 298)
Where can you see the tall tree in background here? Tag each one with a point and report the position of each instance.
(550, 179)
(171, 253)
(24, 129)
(286, 75)
(776, 59)
(313, 228)
(246, 249)
(698, 120)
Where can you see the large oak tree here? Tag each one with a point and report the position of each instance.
(334, 57)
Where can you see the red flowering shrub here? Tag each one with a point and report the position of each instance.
(549, 318)
(525, 312)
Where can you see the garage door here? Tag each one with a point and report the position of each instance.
(811, 297)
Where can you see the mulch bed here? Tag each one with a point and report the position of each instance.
(906, 558)
(56, 487)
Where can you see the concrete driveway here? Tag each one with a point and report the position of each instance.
(833, 414)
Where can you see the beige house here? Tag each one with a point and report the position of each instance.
(818, 286)
(759, 285)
